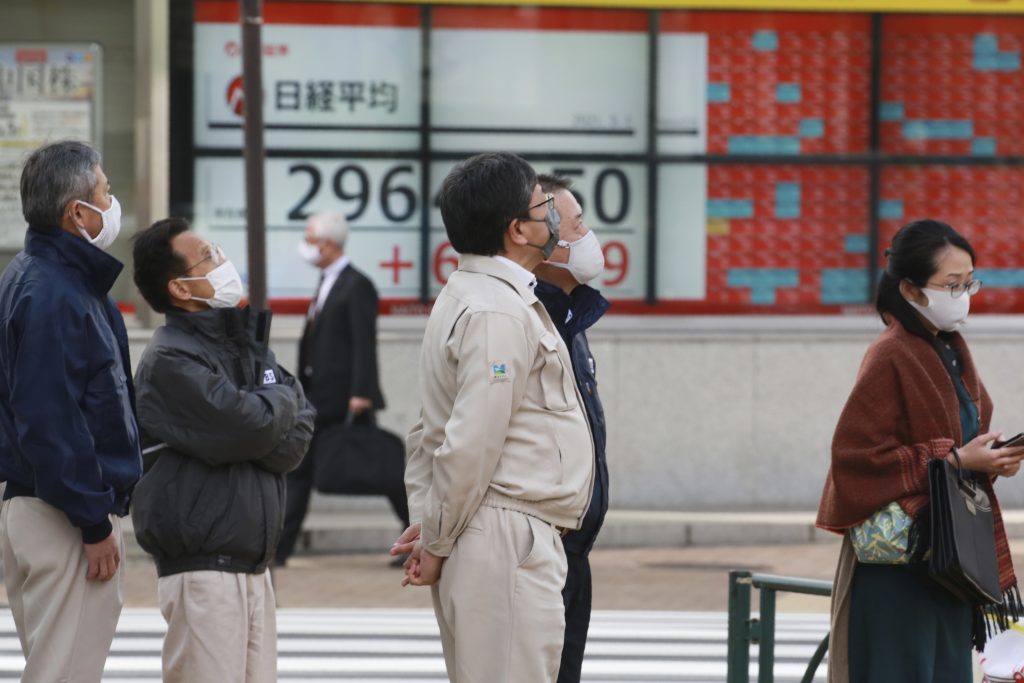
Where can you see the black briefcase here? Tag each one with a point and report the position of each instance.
(357, 457)
(963, 552)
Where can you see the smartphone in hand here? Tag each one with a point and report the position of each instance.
(1017, 440)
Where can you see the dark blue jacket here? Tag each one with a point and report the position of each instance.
(573, 315)
(67, 407)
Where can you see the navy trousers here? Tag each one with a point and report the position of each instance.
(576, 596)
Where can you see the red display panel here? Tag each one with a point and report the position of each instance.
(800, 76)
(982, 203)
(796, 239)
(952, 85)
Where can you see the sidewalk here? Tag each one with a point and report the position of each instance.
(691, 578)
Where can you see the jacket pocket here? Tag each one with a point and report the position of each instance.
(556, 384)
(108, 407)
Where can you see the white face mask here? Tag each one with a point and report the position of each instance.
(310, 253)
(586, 259)
(226, 283)
(111, 224)
(943, 311)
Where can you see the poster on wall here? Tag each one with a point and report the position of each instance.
(47, 92)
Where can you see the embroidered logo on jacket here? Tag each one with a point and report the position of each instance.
(499, 372)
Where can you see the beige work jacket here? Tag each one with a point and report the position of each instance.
(501, 415)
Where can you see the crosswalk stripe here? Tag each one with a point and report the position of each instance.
(385, 645)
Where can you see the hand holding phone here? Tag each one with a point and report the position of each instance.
(1017, 440)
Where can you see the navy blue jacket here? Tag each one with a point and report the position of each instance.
(573, 315)
(67, 407)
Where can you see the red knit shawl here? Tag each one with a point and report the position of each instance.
(903, 411)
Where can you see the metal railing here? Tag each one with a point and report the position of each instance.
(744, 630)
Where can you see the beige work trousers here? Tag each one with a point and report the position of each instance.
(499, 601)
(65, 622)
(221, 627)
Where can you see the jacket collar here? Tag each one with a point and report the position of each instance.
(216, 323)
(99, 268)
(584, 306)
(486, 265)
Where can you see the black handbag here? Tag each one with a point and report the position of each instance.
(963, 547)
(357, 457)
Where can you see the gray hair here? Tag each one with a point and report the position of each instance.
(54, 175)
(329, 225)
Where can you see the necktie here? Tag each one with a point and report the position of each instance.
(311, 313)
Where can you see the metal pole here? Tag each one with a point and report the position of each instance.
(875, 152)
(738, 653)
(766, 648)
(152, 120)
(425, 170)
(653, 32)
(812, 666)
(252, 85)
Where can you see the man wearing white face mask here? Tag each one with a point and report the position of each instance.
(69, 444)
(574, 306)
(221, 423)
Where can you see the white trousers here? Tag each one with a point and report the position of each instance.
(221, 627)
(499, 601)
(65, 622)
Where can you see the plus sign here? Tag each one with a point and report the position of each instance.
(395, 264)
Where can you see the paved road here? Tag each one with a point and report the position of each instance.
(401, 645)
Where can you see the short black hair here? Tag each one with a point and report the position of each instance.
(481, 196)
(156, 262)
(551, 184)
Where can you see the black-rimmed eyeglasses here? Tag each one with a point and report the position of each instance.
(549, 199)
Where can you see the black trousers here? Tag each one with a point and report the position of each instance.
(299, 487)
(576, 596)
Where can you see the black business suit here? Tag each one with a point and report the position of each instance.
(337, 360)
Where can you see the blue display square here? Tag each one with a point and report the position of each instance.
(765, 41)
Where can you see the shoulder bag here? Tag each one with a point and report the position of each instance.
(963, 541)
(357, 457)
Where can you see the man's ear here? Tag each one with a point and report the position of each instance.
(178, 291)
(515, 233)
(73, 210)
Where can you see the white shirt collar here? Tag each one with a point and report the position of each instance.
(522, 274)
(330, 276)
(334, 270)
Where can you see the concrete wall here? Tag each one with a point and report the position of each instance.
(710, 413)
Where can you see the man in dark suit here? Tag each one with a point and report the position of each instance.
(337, 357)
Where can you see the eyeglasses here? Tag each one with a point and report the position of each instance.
(957, 290)
(216, 255)
(549, 199)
